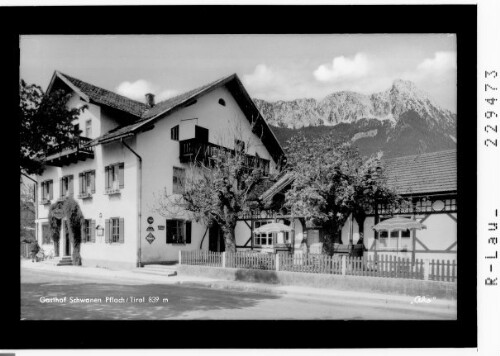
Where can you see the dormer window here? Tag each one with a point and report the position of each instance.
(222, 102)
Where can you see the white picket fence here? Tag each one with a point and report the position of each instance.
(382, 266)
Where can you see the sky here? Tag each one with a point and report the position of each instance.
(271, 67)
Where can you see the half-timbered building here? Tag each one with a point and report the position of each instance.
(428, 182)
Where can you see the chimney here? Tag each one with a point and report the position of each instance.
(150, 99)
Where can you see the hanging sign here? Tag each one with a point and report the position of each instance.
(151, 220)
(58, 213)
(150, 228)
(150, 238)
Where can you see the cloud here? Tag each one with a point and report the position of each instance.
(138, 89)
(343, 68)
(441, 62)
(363, 72)
(261, 77)
(437, 76)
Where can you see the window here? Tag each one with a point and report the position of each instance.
(47, 188)
(88, 231)
(115, 232)
(264, 239)
(87, 183)
(178, 231)
(222, 102)
(395, 239)
(66, 186)
(88, 128)
(76, 128)
(45, 234)
(114, 177)
(179, 177)
(239, 145)
(174, 133)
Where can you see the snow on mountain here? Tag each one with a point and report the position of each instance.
(400, 120)
(348, 107)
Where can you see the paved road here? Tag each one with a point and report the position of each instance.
(184, 302)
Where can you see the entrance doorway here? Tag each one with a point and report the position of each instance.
(216, 241)
(67, 242)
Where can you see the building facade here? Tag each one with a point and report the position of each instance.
(428, 182)
(130, 153)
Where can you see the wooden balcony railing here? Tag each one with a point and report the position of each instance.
(63, 155)
(195, 150)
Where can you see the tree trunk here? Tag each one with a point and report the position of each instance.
(77, 259)
(229, 238)
(360, 219)
(56, 248)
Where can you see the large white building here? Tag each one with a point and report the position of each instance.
(129, 153)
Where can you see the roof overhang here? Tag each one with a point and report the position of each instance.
(246, 104)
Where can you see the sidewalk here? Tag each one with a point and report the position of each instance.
(309, 293)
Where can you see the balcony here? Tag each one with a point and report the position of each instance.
(195, 150)
(63, 156)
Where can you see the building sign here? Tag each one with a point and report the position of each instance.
(161, 227)
(150, 238)
(150, 220)
(150, 228)
(58, 213)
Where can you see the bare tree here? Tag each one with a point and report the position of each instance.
(217, 187)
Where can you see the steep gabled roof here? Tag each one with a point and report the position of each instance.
(147, 115)
(161, 108)
(102, 96)
(421, 174)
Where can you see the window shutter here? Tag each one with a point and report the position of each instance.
(188, 232)
(82, 232)
(92, 230)
(121, 175)
(170, 231)
(107, 230)
(70, 184)
(122, 230)
(92, 181)
(80, 183)
(50, 187)
(106, 177)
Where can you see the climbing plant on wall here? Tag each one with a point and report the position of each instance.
(69, 209)
(55, 224)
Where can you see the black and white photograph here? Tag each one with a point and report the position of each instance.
(297, 176)
(227, 177)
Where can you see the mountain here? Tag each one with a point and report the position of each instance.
(399, 121)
